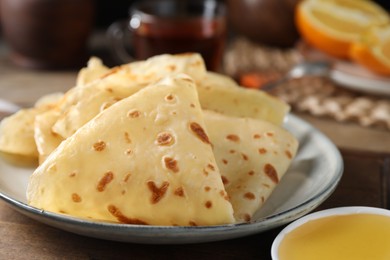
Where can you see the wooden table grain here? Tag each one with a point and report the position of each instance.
(365, 182)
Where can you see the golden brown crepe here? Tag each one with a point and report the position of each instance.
(252, 155)
(212, 79)
(45, 139)
(216, 92)
(17, 134)
(81, 104)
(145, 160)
(94, 70)
(242, 102)
(141, 142)
(17, 130)
(99, 88)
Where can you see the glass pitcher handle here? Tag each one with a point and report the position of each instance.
(120, 36)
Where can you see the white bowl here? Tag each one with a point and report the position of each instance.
(323, 214)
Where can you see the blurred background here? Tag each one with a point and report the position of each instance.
(109, 11)
(262, 47)
(264, 22)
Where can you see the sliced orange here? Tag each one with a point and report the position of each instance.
(373, 51)
(333, 25)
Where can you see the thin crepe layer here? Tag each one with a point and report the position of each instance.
(145, 160)
(17, 130)
(84, 102)
(241, 102)
(252, 156)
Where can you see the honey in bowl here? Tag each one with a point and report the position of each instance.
(341, 233)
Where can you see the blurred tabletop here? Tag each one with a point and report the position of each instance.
(365, 182)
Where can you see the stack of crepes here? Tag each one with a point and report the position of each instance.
(154, 142)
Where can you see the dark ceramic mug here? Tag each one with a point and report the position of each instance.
(269, 22)
(47, 34)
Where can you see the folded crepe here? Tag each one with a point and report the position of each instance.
(82, 103)
(212, 79)
(17, 133)
(17, 130)
(242, 102)
(252, 156)
(94, 70)
(145, 160)
(45, 139)
(216, 92)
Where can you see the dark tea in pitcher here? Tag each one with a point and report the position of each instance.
(178, 27)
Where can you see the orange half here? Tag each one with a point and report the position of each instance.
(373, 51)
(333, 25)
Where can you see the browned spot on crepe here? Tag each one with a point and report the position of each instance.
(208, 204)
(199, 132)
(224, 180)
(107, 178)
(76, 198)
(247, 217)
(127, 137)
(249, 196)
(271, 173)
(192, 223)
(233, 138)
(99, 146)
(127, 177)
(179, 192)
(171, 164)
(157, 192)
(165, 139)
(211, 167)
(169, 97)
(171, 67)
(244, 157)
(122, 218)
(134, 114)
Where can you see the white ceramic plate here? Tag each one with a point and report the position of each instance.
(312, 177)
(348, 74)
(357, 78)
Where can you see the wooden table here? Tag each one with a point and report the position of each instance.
(366, 182)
